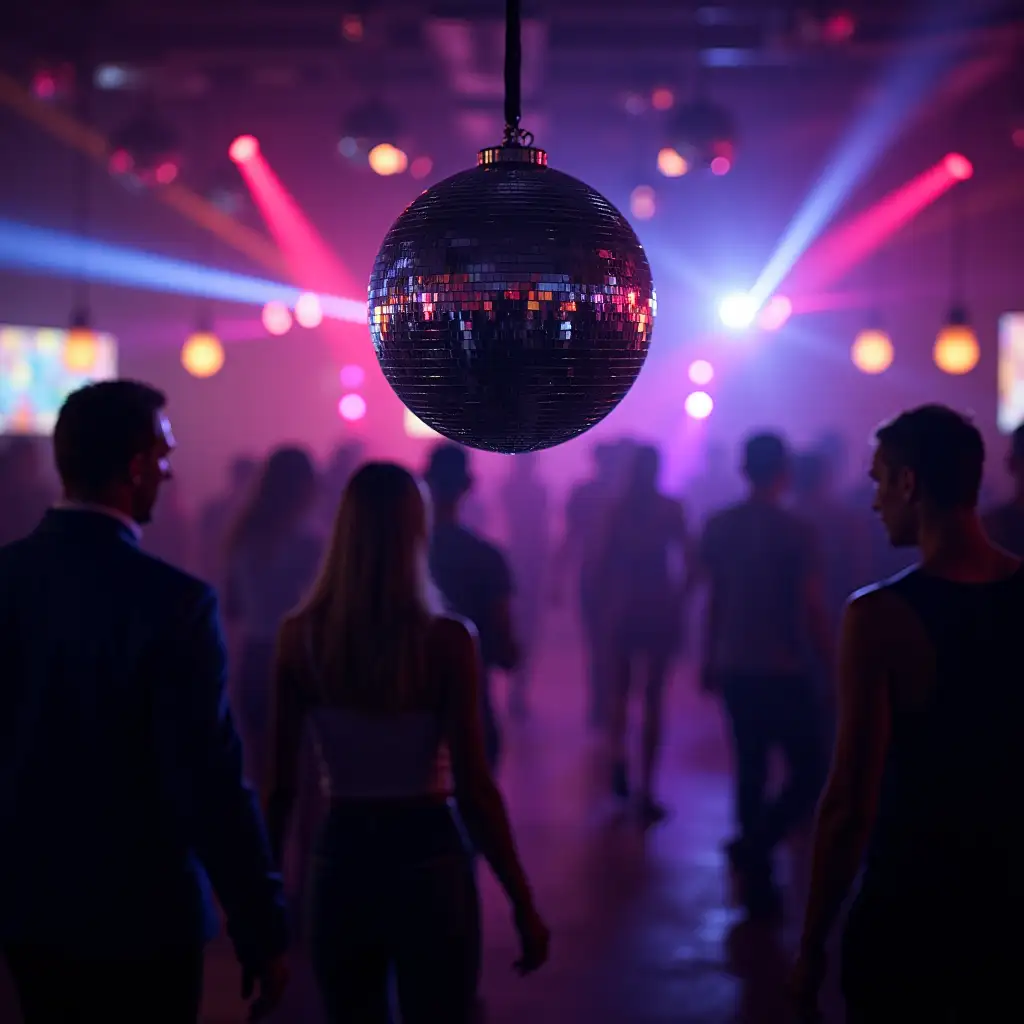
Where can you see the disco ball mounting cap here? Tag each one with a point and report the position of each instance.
(506, 153)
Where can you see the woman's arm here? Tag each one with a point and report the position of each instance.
(289, 705)
(479, 800)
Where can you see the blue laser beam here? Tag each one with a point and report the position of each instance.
(24, 247)
(893, 102)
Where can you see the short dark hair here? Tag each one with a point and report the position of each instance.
(765, 458)
(100, 429)
(447, 473)
(944, 450)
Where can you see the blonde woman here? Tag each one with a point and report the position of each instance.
(385, 688)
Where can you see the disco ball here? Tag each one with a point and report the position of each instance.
(511, 306)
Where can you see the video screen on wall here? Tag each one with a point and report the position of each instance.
(1010, 409)
(39, 369)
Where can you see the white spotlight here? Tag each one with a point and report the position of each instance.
(737, 311)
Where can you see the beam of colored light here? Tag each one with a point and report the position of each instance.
(66, 129)
(310, 261)
(23, 247)
(891, 105)
(852, 241)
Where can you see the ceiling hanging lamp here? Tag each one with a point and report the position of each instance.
(511, 306)
(956, 349)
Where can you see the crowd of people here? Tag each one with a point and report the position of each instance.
(367, 620)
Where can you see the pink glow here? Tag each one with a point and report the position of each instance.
(699, 405)
(307, 310)
(701, 372)
(352, 376)
(276, 318)
(855, 239)
(774, 313)
(166, 173)
(352, 407)
(306, 253)
(244, 149)
(958, 167)
(721, 165)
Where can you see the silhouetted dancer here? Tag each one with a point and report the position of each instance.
(473, 577)
(761, 565)
(1005, 523)
(640, 585)
(218, 515)
(386, 687)
(120, 768)
(272, 554)
(579, 555)
(525, 498)
(926, 781)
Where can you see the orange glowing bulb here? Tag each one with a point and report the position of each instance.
(386, 160)
(202, 354)
(671, 164)
(872, 352)
(80, 349)
(956, 349)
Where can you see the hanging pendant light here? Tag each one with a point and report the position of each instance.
(872, 351)
(202, 355)
(81, 347)
(511, 305)
(956, 348)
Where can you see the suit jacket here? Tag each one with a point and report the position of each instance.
(121, 788)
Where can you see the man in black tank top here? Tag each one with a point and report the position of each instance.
(929, 766)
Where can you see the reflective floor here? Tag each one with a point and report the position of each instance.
(643, 929)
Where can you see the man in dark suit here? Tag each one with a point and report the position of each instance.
(121, 788)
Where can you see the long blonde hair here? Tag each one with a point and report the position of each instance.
(368, 613)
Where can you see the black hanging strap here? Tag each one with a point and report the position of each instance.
(513, 72)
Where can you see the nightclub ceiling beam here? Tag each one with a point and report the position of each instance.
(73, 133)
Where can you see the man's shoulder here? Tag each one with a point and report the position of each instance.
(878, 602)
(173, 579)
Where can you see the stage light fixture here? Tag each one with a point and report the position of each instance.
(146, 150)
(699, 405)
(641, 202)
(365, 126)
(671, 164)
(703, 133)
(737, 311)
(352, 407)
(701, 372)
(386, 160)
(276, 318)
(308, 313)
(958, 166)
(244, 149)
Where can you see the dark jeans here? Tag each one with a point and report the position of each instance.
(769, 711)
(394, 891)
(59, 988)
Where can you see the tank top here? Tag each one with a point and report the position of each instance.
(943, 869)
(364, 756)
